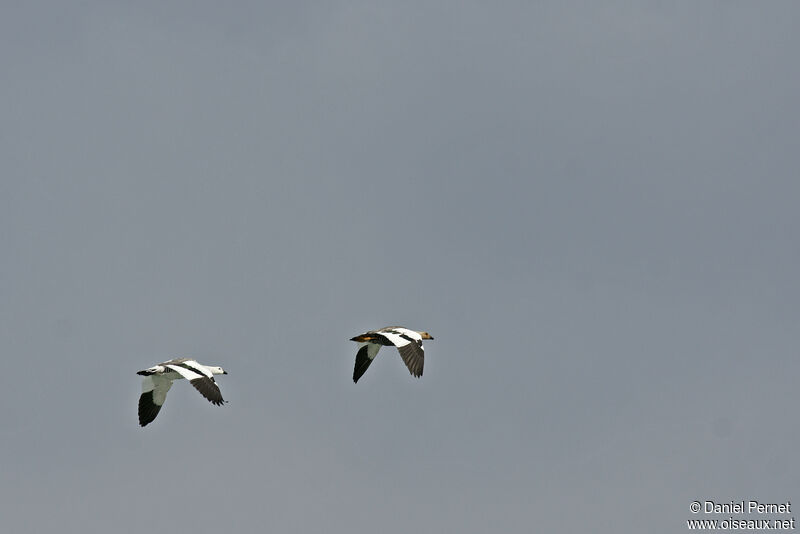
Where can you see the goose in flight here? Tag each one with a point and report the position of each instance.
(408, 342)
(158, 379)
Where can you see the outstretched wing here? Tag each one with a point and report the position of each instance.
(364, 357)
(414, 357)
(154, 393)
(409, 344)
(201, 378)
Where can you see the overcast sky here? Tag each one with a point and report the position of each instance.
(593, 209)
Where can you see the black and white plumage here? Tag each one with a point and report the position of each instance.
(408, 342)
(158, 379)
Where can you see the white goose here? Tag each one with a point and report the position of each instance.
(408, 342)
(158, 379)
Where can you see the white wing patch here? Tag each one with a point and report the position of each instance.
(159, 386)
(186, 373)
(148, 384)
(372, 349)
(413, 334)
(397, 339)
(202, 369)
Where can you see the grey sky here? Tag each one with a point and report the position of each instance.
(593, 209)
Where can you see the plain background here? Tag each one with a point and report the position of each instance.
(592, 208)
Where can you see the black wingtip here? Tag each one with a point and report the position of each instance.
(148, 410)
(359, 371)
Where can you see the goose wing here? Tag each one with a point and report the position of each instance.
(200, 377)
(154, 393)
(409, 344)
(364, 357)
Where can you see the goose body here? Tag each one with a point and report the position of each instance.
(158, 379)
(407, 341)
